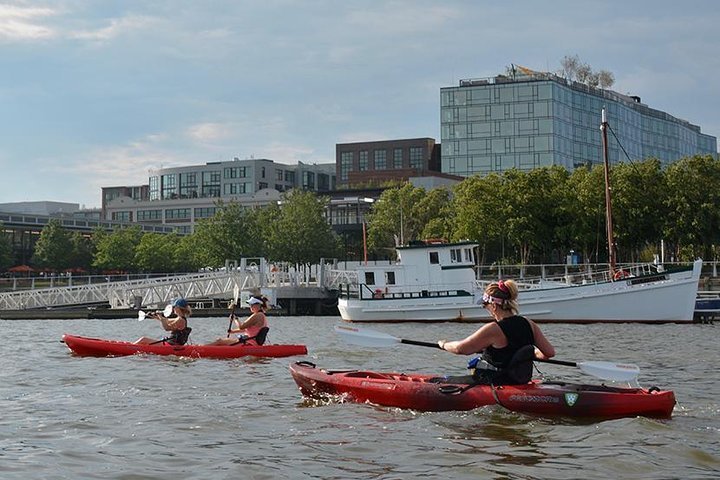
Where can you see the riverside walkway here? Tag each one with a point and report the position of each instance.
(250, 276)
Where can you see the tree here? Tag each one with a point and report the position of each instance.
(606, 79)
(569, 66)
(231, 233)
(82, 251)
(397, 217)
(478, 208)
(116, 251)
(693, 206)
(54, 247)
(6, 250)
(156, 252)
(297, 231)
(586, 229)
(638, 205)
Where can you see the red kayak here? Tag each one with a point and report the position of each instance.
(413, 391)
(96, 347)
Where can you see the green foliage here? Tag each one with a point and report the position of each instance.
(228, 235)
(297, 231)
(693, 206)
(156, 252)
(116, 251)
(408, 213)
(54, 248)
(82, 251)
(6, 253)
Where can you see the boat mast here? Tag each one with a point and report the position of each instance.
(608, 203)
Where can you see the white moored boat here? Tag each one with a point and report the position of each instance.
(435, 281)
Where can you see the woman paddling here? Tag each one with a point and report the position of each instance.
(247, 330)
(177, 325)
(501, 340)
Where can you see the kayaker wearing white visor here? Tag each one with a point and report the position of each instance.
(251, 329)
(507, 344)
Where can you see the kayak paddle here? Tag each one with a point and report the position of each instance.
(167, 311)
(236, 295)
(617, 372)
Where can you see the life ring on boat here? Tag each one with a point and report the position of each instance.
(621, 274)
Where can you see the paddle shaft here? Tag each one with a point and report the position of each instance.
(435, 345)
(556, 362)
(419, 343)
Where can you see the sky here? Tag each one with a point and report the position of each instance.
(96, 93)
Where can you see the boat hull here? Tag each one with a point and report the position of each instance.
(413, 391)
(661, 298)
(96, 347)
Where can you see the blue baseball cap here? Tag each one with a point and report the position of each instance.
(179, 302)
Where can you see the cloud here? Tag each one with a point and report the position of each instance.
(117, 27)
(209, 132)
(21, 23)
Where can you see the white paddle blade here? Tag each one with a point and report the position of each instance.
(236, 293)
(617, 372)
(365, 338)
(168, 310)
(141, 315)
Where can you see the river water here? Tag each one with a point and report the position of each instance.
(146, 417)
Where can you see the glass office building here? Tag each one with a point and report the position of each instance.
(529, 121)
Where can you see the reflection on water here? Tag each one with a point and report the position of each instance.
(168, 418)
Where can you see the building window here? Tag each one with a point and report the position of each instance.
(234, 172)
(346, 161)
(211, 184)
(122, 216)
(308, 181)
(279, 175)
(380, 159)
(363, 161)
(169, 186)
(177, 213)
(154, 188)
(233, 188)
(290, 177)
(262, 172)
(398, 158)
(416, 157)
(149, 215)
(262, 185)
(204, 212)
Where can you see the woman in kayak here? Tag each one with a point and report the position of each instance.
(499, 341)
(248, 329)
(177, 325)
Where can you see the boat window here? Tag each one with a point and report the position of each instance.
(389, 278)
(370, 278)
(455, 255)
(434, 258)
(468, 255)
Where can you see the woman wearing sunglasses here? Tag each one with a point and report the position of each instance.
(505, 343)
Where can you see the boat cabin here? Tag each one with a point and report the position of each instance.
(424, 268)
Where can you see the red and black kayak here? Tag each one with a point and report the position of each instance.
(96, 347)
(414, 391)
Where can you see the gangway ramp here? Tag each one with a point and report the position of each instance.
(132, 293)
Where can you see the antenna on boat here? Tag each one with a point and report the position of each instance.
(608, 204)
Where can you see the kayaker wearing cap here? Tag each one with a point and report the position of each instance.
(500, 340)
(248, 328)
(177, 325)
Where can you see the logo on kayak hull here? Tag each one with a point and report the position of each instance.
(571, 398)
